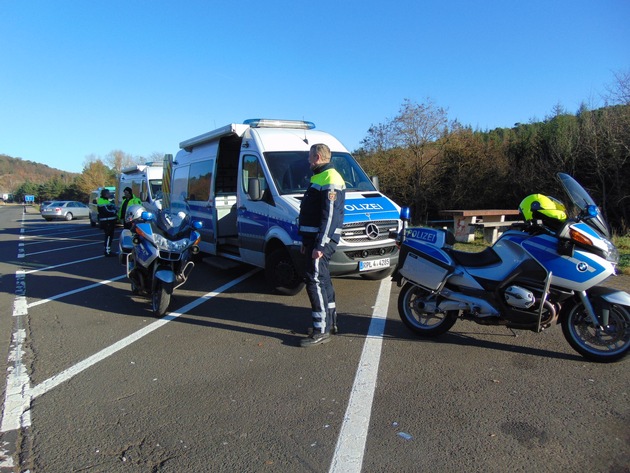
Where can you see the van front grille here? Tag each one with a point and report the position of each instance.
(368, 232)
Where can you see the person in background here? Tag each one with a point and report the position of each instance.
(107, 219)
(128, 200)
(321, 219)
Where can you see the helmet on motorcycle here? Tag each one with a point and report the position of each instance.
(134, 212)
(542, 207)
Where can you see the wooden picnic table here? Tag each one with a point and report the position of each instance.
(465, 222)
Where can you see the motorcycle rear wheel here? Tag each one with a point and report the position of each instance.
(422, 323)
(601, 346)
(160, 299)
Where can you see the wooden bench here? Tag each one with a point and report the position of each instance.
(493, 230)
(490, 220)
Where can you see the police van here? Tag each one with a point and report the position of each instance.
(145, 181)
(245, 183)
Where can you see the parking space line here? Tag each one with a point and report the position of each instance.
(69, 373)
(61, 249)
(348, 456)
(39, 242)
(61, 232)
(75, 291)
(47, 268)
(67, 228)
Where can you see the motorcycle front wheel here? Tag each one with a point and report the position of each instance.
(160, 299)
(411, 301)
(602, 345)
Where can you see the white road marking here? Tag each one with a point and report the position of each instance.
(75, 291)
(61, 249)
(49, 240)
(46, 268)
(348, 456)
(65, 375)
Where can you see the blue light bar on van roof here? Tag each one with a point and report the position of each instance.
(268, 123)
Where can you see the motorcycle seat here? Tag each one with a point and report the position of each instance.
(487, 257)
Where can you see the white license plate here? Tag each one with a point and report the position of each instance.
(374, 264)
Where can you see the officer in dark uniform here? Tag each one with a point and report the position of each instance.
(107, 219)
(321, 219)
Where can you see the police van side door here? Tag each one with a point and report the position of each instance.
(254, 199)
(194, 182)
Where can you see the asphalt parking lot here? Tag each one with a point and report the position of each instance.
(95, 383)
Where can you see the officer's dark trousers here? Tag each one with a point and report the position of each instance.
(108, 227)
(319, 287)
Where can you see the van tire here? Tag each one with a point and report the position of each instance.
(281, 273)
(378, 275)
(92, 222)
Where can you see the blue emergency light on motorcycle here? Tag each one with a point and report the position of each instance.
(405, 213)
(592, 210)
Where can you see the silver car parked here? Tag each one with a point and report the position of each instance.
(65, 210)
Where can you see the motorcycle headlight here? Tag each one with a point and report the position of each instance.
(169, 245)
(611, 253)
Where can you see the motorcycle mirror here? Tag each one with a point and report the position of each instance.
(147, 216)
(197, 225)
(405, 213)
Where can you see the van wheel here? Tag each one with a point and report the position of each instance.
(92, 222)
(282, 275)
(378, 275)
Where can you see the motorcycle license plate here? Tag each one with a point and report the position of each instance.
(374, 264)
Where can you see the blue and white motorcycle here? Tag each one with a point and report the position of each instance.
(157, 250)
(536, 275)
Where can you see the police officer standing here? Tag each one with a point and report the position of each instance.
(107, 219)
(128, 200)
(321, 219)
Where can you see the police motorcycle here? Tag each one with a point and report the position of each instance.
(545, 271)
(157, 250)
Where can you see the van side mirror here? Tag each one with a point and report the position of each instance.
(375, 182)
(253, 188)
(94, 201)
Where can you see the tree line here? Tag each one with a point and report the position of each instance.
(431, 164)
(52, 184)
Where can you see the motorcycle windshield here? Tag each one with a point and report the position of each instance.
(172, 218)
(581, 199)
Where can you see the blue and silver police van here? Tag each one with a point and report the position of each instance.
(245, 183)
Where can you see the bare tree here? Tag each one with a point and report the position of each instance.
(619, 91)
(119, 160)
(414, 134)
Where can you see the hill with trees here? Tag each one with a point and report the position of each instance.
(15, 171)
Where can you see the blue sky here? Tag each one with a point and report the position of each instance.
(86, 77)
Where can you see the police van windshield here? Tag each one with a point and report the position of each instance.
(292, 175)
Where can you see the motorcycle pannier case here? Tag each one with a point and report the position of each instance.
(126, 243)
(424, 270)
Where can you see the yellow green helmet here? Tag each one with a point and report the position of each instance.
(547, 209)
